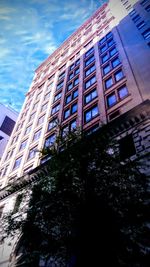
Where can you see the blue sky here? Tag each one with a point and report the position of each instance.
(30, 30)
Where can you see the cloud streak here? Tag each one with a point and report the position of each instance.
(29, 32)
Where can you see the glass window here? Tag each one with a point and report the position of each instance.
(75, 94)
(44, 107)
(89, 97)
(67, 113)
(52, 124)
(115, 62)
(102, 40)
(77, 71)
(113, 51)
(40, 120)
(50, 140)
(111, 100)
(144, 2)
(147, 8)
(76, 81)
(72, 66)
(105, 58)
(118, 75)
(70, 86)
(110, 42)
(61, 76)
(74, 108)
(37, 135)
(108, 83)
(90, 70)
(55, 109)
(77, 62)
(47, 96)
(89, 61)
(23, 145)
(90, 82)
(109, 35)
(90, 51)
(58, 96)
(136, 18)
(32, 153)
(122, 92)
(91, 113)
(103, 48)
(60, 85)
(133, 12)
(106, 69)
(32, 116)
(146, 34)
(140, 25)
(28, 129)
(71, 76)
(73, 125)
(17, 162)
(68, 99)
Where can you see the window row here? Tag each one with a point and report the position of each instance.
(108, 55)
(116, 96)
(116, 77)
(70, 111)
(111, 65)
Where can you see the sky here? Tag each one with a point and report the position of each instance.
(30, 30)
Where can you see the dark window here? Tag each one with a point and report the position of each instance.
(89, 97)
(108, 83)
(70, 86)
(140, 25)
(111, 100)
(90, 60)
(105, 58)
(55, 109)
(50, 140)
(74, 108)
(52, 124)
(75, 94)
(58, 96)
(7, 125)
(109, 35)
(114, 114)
(90, 51)
(60, 85)
(133, 12)
(66, 113)
(76, 71)
(136, 18)
(90, 82)
(72, 66)
(115, 62)
(113, 51)
(106, 69)
(122, 92)
(68, 99)
(110, 42)
(71, 76)
(103, 48)
(61, 76)
(144, 2)
(76, 81)
(147, 8)
(91, 113)
(146, 34)
(102, 40)
(126, 147)
(90, 70)
(118, 75)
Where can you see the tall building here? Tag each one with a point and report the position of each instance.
(8, 117)
(99, 73)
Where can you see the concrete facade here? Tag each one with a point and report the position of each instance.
(99, 75)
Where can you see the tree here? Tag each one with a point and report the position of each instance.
(88, 207)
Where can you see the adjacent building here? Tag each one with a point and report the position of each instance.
(8, 117)
(99, 75)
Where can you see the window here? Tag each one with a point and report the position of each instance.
(40, 120)
(35, 105)
(66, 113)
(32, 116)
(37, 135)
(7, 125)
(32, 153)
(70, 86)
(55, 109)
(108, 83)
(28, 129)
(89, 97)
(72, 66)
(90, 82)
(140, 25)
(123, 92)
(75, 94)
(89, 52)
(62, 75)
(103, 48)
(17, 162)
(69, 128)
(146, 34)
(109, 35)
(60, 85)
(113, 51)
(76, 81)
(133, 12)
(90, 70)
(71, 76)
(136, 18)
(76, 71)
(118, 75)
(105, 58)
(110, 42)
(147, 8)
(73, 125)
(52, 124)
(124, 143)
(143, 2)
(23, 145)
(89, 61)
(44, 107)
(106, 69)
(47, 96)
(58, 96)
(50, 140)
(102, 40)
(91, 113)
(77, 62)
(68, 99)
(115, 62)
(74, 108)
(111, 100)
